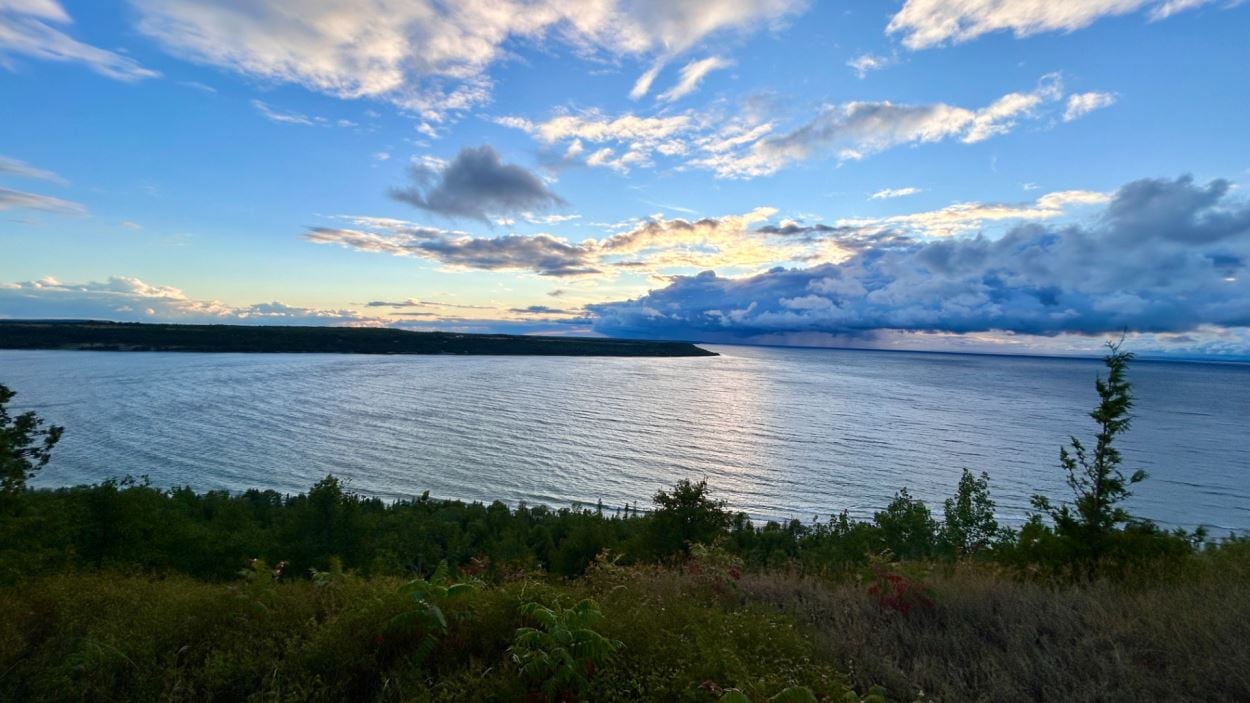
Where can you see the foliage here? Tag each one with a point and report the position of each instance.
(970, 527)
(426, 614)
(892, 591)
(563, 652)
(1099, 487)
(906, 527)
(25, 446)
(684, 516)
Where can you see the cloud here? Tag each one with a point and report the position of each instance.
(26, 29)
(692, 74)
(425, 56)
(745, 242)
(962, 218)
(865, 63)
(1166, 256)
(542, 310)
(125, 299)
(929, 23)
(886, 193)
(16, 199)
(24, 170)
(747, 144)
(281, 117)
(477, 185)
(1081, 104)
(413, 303)
(856, 129)
(542, 254)
(634, 139)
(643, 84)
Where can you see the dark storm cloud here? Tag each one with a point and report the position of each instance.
(476, 185)
(1165, 256)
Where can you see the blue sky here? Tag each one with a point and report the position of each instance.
(986, 175)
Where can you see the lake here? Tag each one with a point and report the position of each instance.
(778, 433)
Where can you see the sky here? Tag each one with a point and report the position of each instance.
(982, 175)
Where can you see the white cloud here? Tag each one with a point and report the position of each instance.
(281, 117)
(1171, 7)
(886, 193)
(26, 29)
(426, 56)
(692, 74)
(865, 63)
(1081, 104)
(930, 23)
(746, 144)
(854, 130)
(963, 218)
(643, 84)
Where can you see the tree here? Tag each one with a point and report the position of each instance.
(907, 527)
(1098, 484)
(25, 446)
(970, 526)
(686, 515)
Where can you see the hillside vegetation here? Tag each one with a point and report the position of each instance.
(125, 591)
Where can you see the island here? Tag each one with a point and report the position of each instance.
(94, 335)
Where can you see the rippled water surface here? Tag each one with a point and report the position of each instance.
(777, 432)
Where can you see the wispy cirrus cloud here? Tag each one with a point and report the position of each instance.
(21, 169)
(925, 24)
(33, 29)
(889, 193)
(16, 199)
(692, 74)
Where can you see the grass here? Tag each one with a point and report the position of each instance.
(687, 633)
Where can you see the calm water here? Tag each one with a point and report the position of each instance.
(778, 433)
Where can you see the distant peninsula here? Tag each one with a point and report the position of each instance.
(93, 335)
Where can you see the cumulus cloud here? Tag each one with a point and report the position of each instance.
(127, 299)
(1166, 256)
(1081, 104)
(692, 74)
(16, 199)
(428, 56)
(929, 23)
(30, 28)
(477, 185)
(21, 169)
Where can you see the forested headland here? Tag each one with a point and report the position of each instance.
(93, 335)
